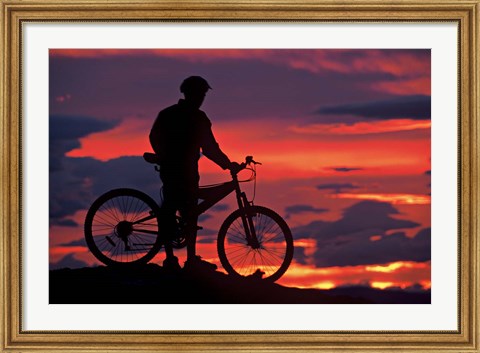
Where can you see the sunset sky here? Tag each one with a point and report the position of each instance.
(343, 137)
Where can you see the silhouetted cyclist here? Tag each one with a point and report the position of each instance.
(178, 135)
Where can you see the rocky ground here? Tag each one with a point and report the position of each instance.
(151, 284)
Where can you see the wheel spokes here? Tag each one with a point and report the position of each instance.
(124, 228)
(245, 259)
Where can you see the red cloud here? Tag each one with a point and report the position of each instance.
(362, 128)
(408, 86)
(287, 153)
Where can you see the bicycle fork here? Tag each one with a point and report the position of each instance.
(251, 236)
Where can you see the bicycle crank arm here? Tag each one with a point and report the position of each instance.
(144, 231)
(110, 241)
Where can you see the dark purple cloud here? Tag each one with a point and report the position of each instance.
(68, 261)
(203, 217)
(76, 182)
(82, 180)
(336, 188)
(371, 216)
(65, 132)
(124, 86)
(345, 169)
(347, 242)
(362, 251)
(207, 236)
(78, 242)
(69, 190)
(64, 222)
(301, 208)
(65, 200)
(219, 207)
(68, 127)
(411, 107)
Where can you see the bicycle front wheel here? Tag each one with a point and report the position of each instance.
(121, 227)
(271, 255)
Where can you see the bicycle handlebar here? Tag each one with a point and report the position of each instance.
(248, 161)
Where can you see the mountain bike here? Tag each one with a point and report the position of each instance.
(122, 228)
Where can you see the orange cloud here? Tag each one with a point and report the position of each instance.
(397, 274)
(392, 267)
(395, 199)
(130, 138)
(362, 128)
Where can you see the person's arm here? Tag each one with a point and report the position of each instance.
(210, 147)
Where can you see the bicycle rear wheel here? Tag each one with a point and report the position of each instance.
(274, 253)
(121, 227)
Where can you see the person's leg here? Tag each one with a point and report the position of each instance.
(167, 228)
(168, 224)
(191, 219)
(190, 212)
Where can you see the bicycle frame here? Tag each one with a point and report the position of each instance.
(213, 194)
(210, 195)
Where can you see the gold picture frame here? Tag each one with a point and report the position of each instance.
(17, 12)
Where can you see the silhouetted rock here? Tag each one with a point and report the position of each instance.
(151, 284)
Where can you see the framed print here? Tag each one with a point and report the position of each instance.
(246, 176)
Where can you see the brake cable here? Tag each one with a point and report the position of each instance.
(253, 176)
(254, 183)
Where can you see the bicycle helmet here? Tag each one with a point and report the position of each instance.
(194, 83)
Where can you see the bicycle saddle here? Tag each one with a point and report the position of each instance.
(151, 158)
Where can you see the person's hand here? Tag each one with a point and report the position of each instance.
(235, 167)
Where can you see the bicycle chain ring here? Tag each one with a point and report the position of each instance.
(179, 242)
